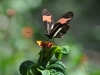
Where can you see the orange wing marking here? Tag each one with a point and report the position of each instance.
(63, 20)
(47, 18)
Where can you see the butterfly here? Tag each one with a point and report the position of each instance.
(58, 29)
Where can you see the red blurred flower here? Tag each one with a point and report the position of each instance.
(45, 44)
(27, 32)
(10, 12)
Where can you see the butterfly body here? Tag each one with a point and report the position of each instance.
(58, 29)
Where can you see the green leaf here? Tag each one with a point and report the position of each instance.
(25, 67)
(54, 72)
(55, 49)
(58, 66)
(58, 51)
(58, 55)
(65, 49)
(44, 72)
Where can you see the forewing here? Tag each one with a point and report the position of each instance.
(48, 20)
(63, 23)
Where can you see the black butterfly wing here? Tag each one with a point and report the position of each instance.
(47, 20)
(62, 26)
(63, 31)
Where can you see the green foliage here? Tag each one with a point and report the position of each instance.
(95, 72)
(45, 72)
(58, 51)
(54, 72)
(65, 49)
(25, 67)
(57, 66)
(51, 68)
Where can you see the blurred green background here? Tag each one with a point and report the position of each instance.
(21, 26)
